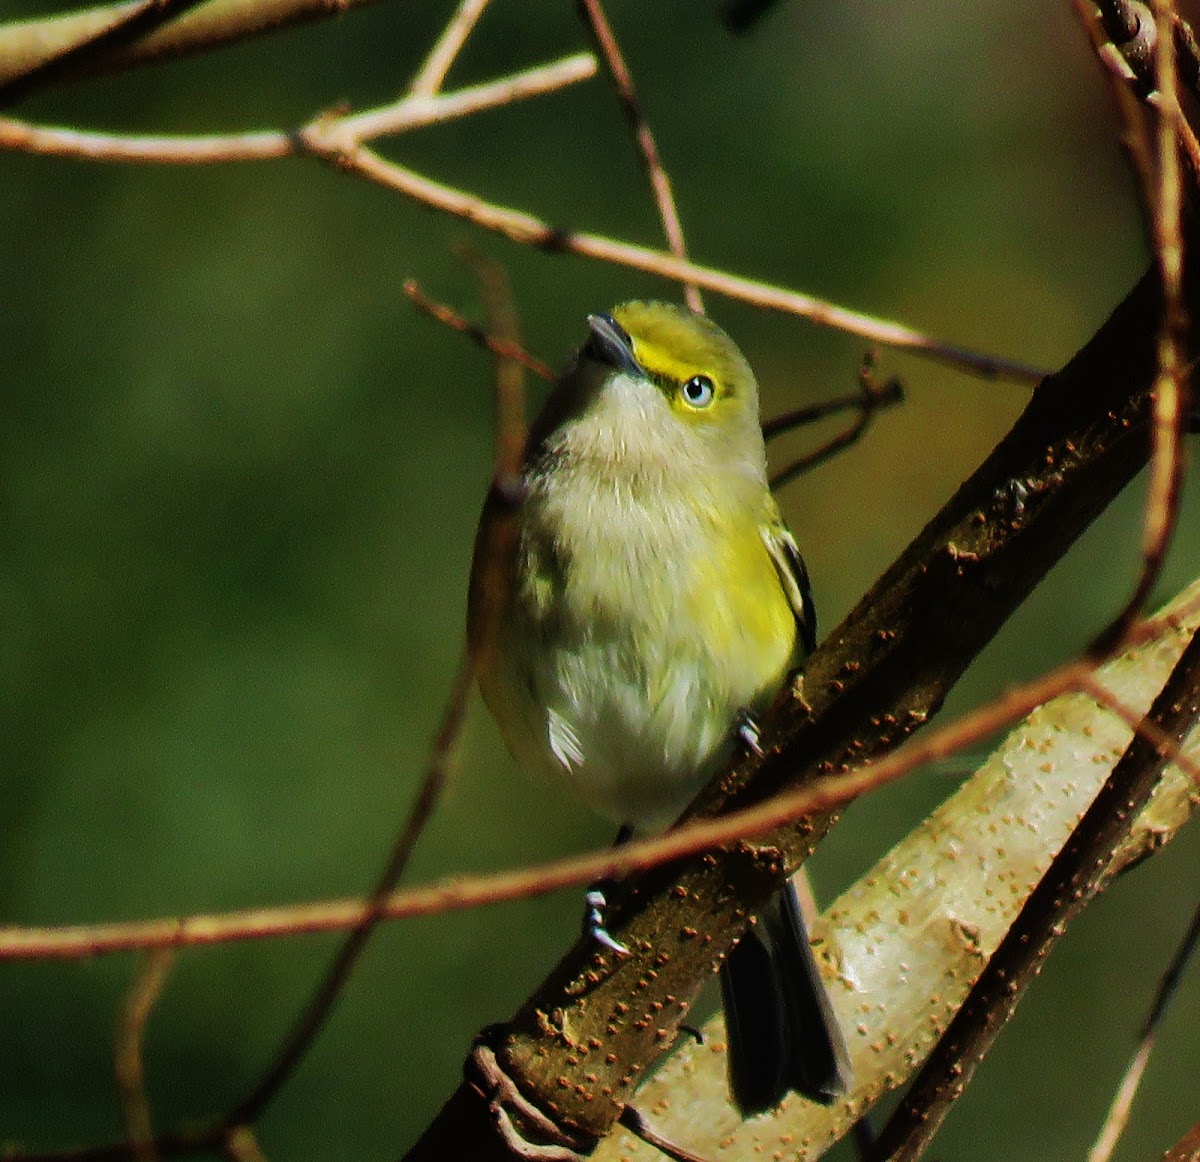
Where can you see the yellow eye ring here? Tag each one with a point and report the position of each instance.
(699, 391)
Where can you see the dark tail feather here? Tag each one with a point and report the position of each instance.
(780, 1027)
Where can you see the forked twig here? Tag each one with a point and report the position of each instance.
(128, 1069)
(871, 397)
(437, 64)
(410, 112)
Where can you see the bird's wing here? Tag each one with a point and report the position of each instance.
(793, 576)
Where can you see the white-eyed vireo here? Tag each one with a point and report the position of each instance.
(653, 599)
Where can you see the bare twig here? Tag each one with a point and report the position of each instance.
(143, 995)
(1134, 33)
(605, 41)
(497, 538)
(426, 109)
(510, 440)
(1074, 877)
(871, 397)
(1162, 191)
(73, 942)
(433, 72)
(1172, 976)
(1119, 77)
(408, 113)
(478, 335)
(532, 231)
(1118, 1114)
(328, 139)
(1171, 392)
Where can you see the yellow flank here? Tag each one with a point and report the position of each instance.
(652, 595)
(739, 608)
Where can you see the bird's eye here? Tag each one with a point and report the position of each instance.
(699, 391)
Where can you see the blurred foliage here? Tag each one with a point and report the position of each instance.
(241, 475)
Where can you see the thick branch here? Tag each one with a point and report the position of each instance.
(28, 47)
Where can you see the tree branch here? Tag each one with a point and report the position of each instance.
(31, 45)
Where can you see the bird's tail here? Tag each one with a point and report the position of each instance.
(780, 1026)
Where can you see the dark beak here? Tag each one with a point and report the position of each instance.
(610, 344)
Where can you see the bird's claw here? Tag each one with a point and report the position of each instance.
(594, 906)
(748, 733)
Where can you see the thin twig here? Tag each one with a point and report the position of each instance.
(891, 392)
(1133, 35)
(1133, 32)
(1171, 403)
(404, 115)
(1074, 877)
(499, 531)
(426, 109)
(596, 22)
(529, 230)
(73, 942)
(508, 371)
(326, 139)
(128, 1069)
(510, 441)
(329, 139)
(1119, 78)
(871, 397)
(1174, 973)
(478, 335)
(1163, 199)
(1118, 1114)
(433, 72)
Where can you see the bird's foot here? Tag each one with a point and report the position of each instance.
(747, 732)
(595, 904)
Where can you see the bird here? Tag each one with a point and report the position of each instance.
(652, 603)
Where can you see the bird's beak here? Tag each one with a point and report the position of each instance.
(611, 345)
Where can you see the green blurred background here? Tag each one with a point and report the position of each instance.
(241, 476)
